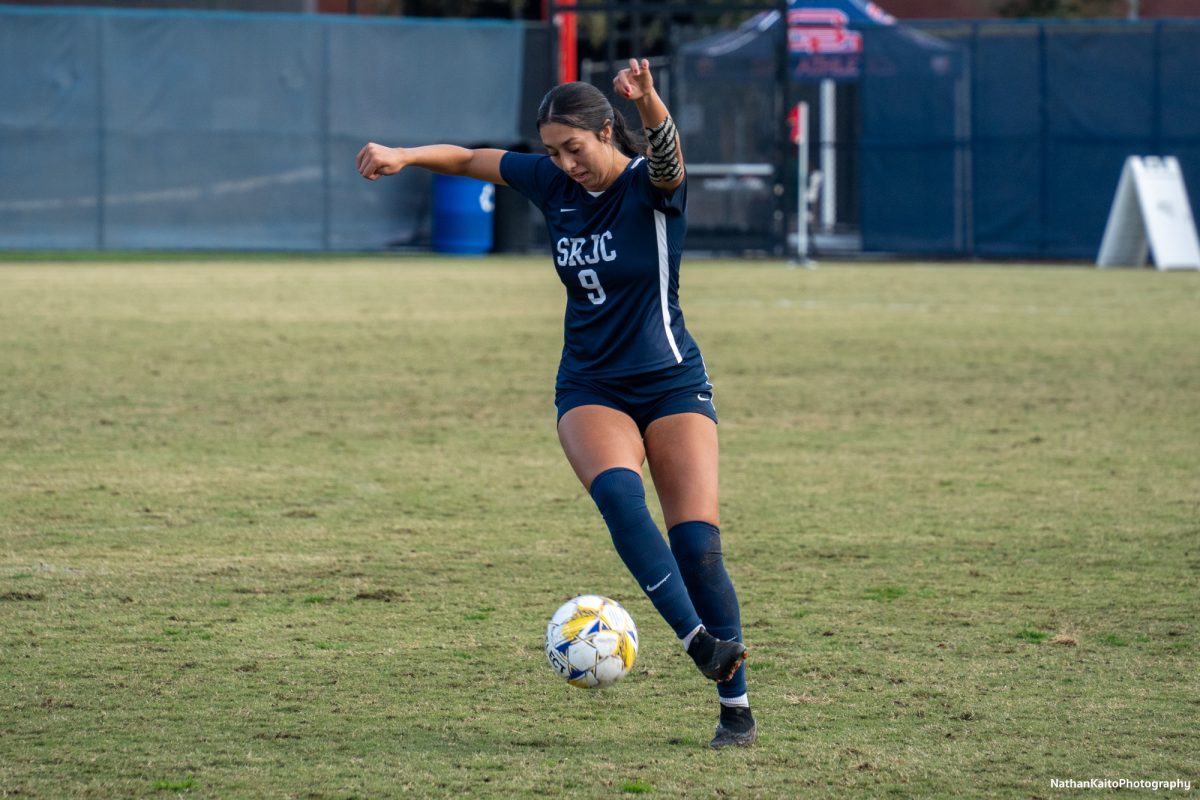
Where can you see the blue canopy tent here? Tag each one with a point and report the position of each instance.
(823, 37)
(728, 86)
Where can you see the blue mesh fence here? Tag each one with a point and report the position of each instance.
(141, 129)
(183, 130)
(1010, 141)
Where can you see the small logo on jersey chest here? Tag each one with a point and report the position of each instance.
(577, 251)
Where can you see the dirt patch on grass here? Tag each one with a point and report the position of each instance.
(18, 597)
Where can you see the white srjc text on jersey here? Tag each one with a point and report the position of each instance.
(578, 251)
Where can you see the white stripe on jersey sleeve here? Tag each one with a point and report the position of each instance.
(664, 279)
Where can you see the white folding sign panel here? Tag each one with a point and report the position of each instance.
(1150, 215)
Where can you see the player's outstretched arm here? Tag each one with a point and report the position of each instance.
(664, 153)
(376, 161)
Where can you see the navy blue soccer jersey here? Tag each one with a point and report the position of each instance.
(617, 253)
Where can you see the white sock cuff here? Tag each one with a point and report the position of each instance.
(742, 700)
(687, 640)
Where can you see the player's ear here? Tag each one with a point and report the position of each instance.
(605, 134)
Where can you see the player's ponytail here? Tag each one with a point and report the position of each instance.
(581, 105)
(627, 141)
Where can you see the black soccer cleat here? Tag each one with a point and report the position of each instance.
(717, 659)
(737, 728)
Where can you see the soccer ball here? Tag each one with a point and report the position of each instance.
(591, 641)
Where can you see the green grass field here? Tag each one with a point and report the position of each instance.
(294, 529)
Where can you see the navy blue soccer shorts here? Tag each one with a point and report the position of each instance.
(645, 397)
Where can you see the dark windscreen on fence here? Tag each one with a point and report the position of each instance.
(151, 129)
(186, 130)
(1013, 145)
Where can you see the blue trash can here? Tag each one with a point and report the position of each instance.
(462, 215)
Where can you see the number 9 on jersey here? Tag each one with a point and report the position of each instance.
(589, 280)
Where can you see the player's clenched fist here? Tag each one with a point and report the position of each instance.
(634, 82)
(374, 161)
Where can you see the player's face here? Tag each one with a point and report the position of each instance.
(585, 156)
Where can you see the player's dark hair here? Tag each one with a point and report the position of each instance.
(581, 105)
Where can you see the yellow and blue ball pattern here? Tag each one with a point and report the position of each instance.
(591, 641)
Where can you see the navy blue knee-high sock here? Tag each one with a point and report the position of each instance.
(621, 497)
(697, 550)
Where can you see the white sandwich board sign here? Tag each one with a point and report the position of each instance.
(1150, 215)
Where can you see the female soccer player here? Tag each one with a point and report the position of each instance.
(631, 385)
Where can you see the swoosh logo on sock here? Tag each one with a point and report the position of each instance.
(660, 583)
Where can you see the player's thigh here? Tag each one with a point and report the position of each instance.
(596, 438)
(682, 451)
